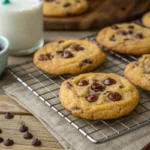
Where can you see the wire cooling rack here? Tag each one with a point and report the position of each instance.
(46, 87)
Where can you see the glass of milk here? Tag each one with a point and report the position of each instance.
(21, 22)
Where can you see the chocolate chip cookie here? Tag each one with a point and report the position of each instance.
(63, 8)
(126, 38)
(146, 19)
(138, 72)
(98, 96)
(69, 57)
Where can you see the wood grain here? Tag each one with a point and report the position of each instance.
(101, 13)
(22, 116)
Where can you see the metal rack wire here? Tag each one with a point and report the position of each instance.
(46, 87)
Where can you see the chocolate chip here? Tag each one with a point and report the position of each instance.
(75, 108)
(61, 41)
(122, 32)
(131, 27)
(136, 64)
(126, 39)
(67, 54)
(9, 115)
(109, 81)
(97, 87)
(76, 47)
(92, 98)
(67, 5)
(85, 61)
(60, 52)
(23, 128)
(69, 85)
(130, 32)
(8, 142)
(78, 1)
(36, 142)
(113, 38)
(114, 96)
(45, 57)
(146, 147)
(139, 36)
(1, 139)
(28, 135)
(0, 130)
(83, 83)
(115, 27)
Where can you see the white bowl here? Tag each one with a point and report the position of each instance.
(3, 53)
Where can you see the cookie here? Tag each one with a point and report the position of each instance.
(138, 72)
(69, 57)
(146, 19)
(126, 38)
(63, 8)
(98, 96)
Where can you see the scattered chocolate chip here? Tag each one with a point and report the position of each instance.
(9, 115)
(75, 108)
(36, 142)
(67, 54)
(1, 139)
(109, 81)
(123, 8)
(115, 27)
(8, 142)
(28, 135)
(139, 36)
(83, 83)
(69, 85)
(67, 5)
(23, 128)
(92, 98)
(130, 32)
(76, 47)
(122, 32)
(97, 87)
(113, 38)
(0, 130)
(61, 41)
(146, 147)
(131, 27)
(114, 96)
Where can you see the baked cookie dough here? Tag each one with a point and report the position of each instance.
(63, 8)
(138, 72)
(126, 38)
(98, 96)
(69, 57)
(146, 19)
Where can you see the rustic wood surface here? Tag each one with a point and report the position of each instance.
(100, 14)
(10, 127)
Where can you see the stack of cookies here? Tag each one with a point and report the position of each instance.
(64, 8)
(99, 95)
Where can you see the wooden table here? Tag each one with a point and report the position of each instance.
(10, 127)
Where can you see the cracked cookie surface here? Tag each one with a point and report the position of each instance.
(63, 8)
(98, 96)
(69, 57)
(126, 38)
(138, 72)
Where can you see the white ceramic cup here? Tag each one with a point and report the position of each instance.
(4, 44)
